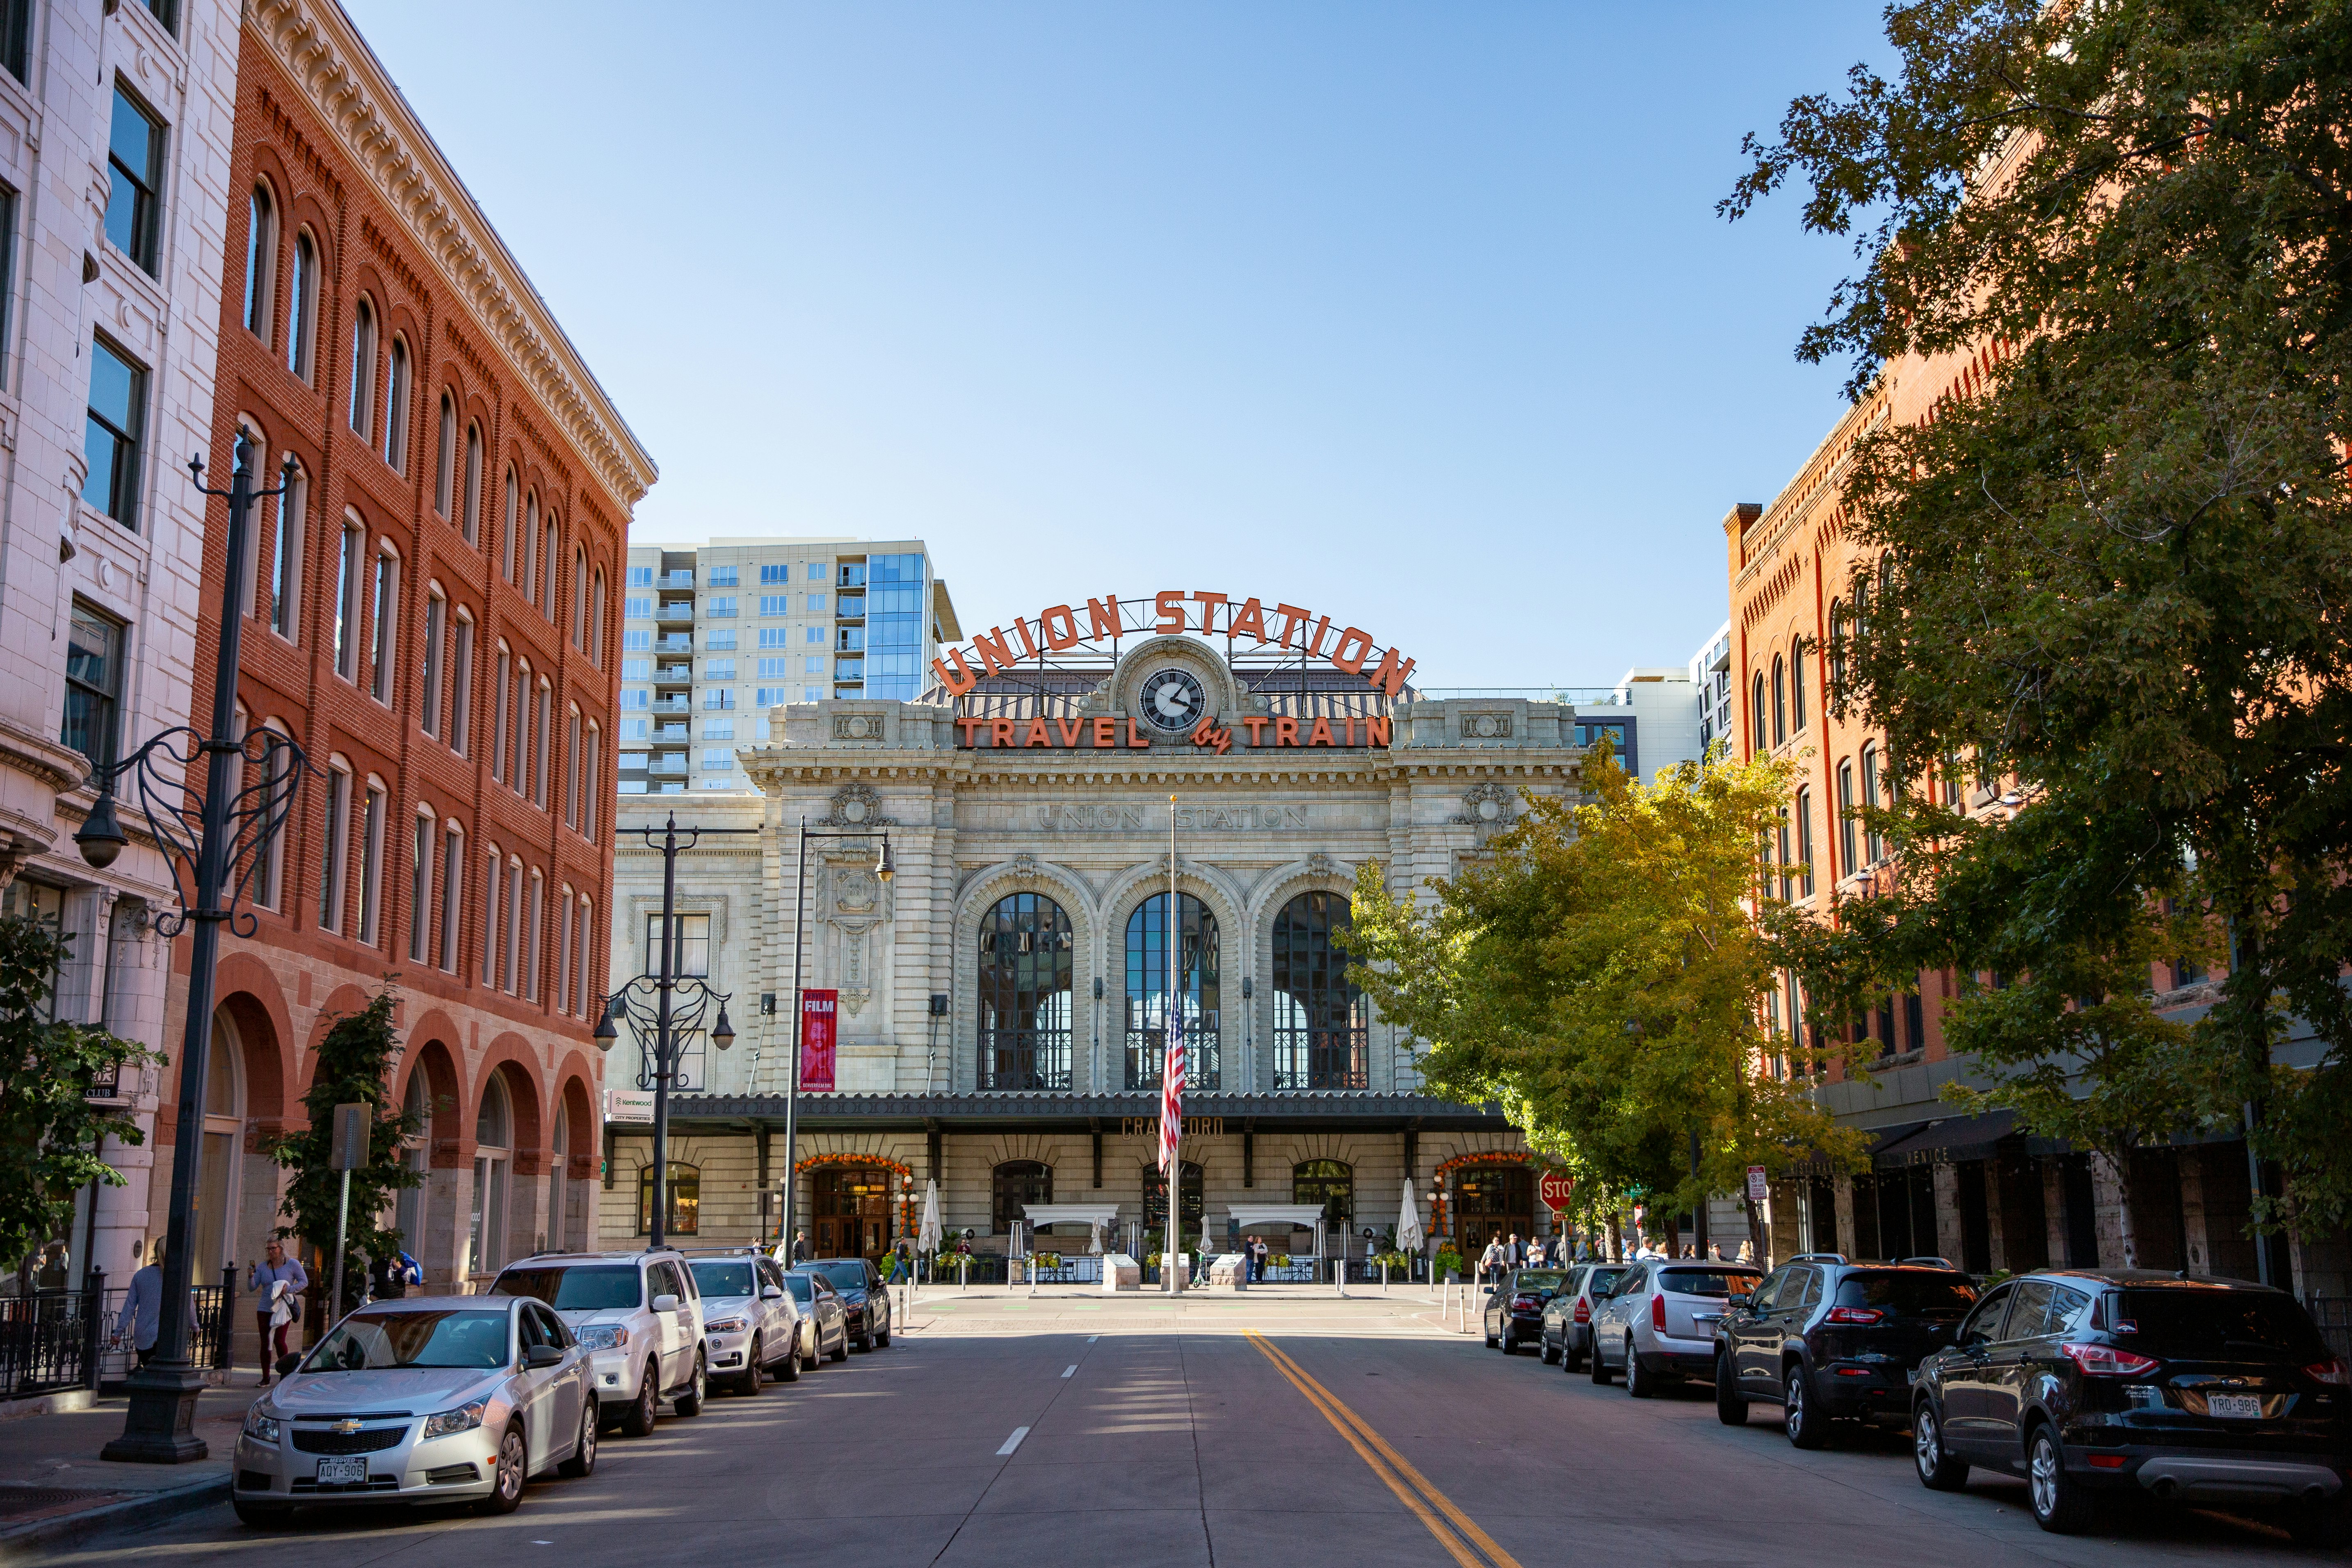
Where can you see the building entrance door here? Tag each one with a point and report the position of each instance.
(1492, 1201)
(850, 1212)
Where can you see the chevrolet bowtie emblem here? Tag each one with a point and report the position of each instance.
(346, 1426)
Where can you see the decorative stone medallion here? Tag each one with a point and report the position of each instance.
(856, 805)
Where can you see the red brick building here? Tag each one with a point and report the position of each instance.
(432, 615)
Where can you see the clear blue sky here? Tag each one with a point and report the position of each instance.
(1419, 315)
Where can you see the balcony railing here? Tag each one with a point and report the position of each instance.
(671, 705)
(1322, 1059)
(1147, 1050)
(1037, 1061)
(677, 642)
(666, 764)
(681, 611)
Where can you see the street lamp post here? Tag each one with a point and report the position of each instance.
(650, 1003)
(884, 869)
(214, 842)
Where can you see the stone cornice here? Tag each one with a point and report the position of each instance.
(323, 55)
(776, 767)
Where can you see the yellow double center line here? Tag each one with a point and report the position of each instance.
(1452, 1528)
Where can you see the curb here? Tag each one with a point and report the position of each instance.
(25, 1541)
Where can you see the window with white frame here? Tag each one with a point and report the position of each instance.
(302, 309)
(453, 882)
(420, 890)
(348, 573)
(363, 401)
(261, 260)
(286, 554)
(445, 458)
(387, 620)
(337, 827)
(491, 905)
(372, 826)
(461, 681)
(437, 628)
(396, 408)
(472, 504)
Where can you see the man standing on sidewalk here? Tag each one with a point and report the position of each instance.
(143, 1307)
(274, 1316)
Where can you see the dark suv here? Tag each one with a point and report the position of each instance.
(1514, 1307)
(1826, 1338)
(2178, 1386)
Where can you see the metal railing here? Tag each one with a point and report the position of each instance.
(2333, 1316)
(49, 1338)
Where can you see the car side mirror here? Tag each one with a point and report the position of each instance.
(1740, 1298)
(771, 1293)
(538, 1358)
(665, 1302)
(287, 1363)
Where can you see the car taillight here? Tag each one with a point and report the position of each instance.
(2333, 1372)
(1527, 1303)
(1583, 1313)
(1855, 1315)
(1658, 1312)
(2107, 1361)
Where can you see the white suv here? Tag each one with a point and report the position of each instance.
(1658, 1325)
(750, 1323)
(640, 1316)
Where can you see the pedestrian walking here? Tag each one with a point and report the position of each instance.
(800, 1247)
(143, 1306)
(1493, 1260)
(273, 1308)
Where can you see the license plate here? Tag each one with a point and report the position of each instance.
(342, 1472)
(2234, 1406)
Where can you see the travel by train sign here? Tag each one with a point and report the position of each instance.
(1286, 627)
(1120, 734)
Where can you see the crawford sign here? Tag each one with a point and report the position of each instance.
(1287, 627)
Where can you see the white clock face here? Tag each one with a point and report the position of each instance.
(1173, 701)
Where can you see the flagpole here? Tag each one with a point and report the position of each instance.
(1170, 1064)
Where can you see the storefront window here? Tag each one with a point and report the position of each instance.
(685, 1199)
(1331, 1183)
(1020, 1183)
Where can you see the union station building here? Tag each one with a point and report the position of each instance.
(999, 999)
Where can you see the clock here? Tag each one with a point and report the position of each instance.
(1173, 700)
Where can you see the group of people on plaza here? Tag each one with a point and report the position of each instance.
(1505, 1253)
(277, 1284)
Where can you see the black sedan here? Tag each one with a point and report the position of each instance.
(1515, 1307)
(2107, 1380)
(863, 1297)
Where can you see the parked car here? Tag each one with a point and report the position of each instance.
(640, 1316)
(426, 1399)
(1828, 1339)
(1657, 1322)
(863, 1297)
(750, 1325)
(827, 1322)
(2131, 1381)
(1515, 1306)
(1566, 1335)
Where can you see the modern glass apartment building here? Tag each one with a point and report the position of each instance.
(714, 636)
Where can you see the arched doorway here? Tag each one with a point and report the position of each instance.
(408, 1205)
(849, 1211)
(493, 1163)
(559, 1145)
(217, 1164)
(1148, 1011)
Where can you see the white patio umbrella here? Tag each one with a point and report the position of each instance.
(927, 1237)
(1409, 1237)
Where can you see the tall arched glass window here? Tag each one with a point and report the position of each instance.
(1797, 684)
(1026, 983)
(303, 307)
(1332, 1183)
(1756, 714)
(1779, 700)
(1146, 990)
(260, 261)
(1322, 1025)
(363, 373)
(493, 1159)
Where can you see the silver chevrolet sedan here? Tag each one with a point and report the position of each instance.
(427, 1399)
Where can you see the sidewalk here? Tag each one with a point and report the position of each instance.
(54, 1488)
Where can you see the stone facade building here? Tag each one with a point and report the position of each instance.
(999, 1000)
(114, 153)
(429, 615)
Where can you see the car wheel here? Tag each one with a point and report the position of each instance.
(639, 1421)
(1639, 1384)
(1938, 1470)
(1599, 1365)
(1805, 1424)
(690, 1402)
(2325, 1521)
(789, 1369)
(583, 1462)
(1571, 1356)
(1730, 1407)
(262, 1515)
(841, 1351)
(882, 1340)
(2061, 1505)
(1548, 1351)
(505, 1480)
(864, 1335)
(754, 1366)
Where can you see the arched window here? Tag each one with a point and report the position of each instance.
(1322, 1024)
(1837, 643)
(596, 621)
(1017, 1183)
(396, 408)
(1025, 988)
(302, 308)
(493, 1161)
(1796, 683)
(509, 524)
(408, 1206)
(579, 597)
(1755, 713)
(260, 261)
(1330, 1182)
(1874, 847)
(473, 501)
(364, 371)
(561, 1147)
(1147, 1012)
(1189, 1210)
(547, 558)
(1779, 700)
(592, 768)
(684, 1216)
(445, 458)
(527, 540)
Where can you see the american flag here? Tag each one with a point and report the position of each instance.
(1172, 1088)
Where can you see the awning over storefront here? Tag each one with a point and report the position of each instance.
(1946, 1141)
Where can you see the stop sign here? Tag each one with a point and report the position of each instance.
(1557, 1188)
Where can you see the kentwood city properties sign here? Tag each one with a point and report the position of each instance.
(1057, 628)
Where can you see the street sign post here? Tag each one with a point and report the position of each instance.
(1557, 1188)
(1757, 1187)
(347, 1150)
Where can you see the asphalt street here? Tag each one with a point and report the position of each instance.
(1285, 1428)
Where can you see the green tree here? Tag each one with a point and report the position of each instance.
(51, 1135)
(353, 1067)
(2113, 568)
(1600, 975)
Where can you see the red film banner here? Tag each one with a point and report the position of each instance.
(819, 1009)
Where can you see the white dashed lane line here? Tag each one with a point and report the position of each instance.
(1014, 1441)
(1071, 1370)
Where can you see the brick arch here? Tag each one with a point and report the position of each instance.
(512, 1057)
(575, 1092)
(444, 1096)
(250, 994)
